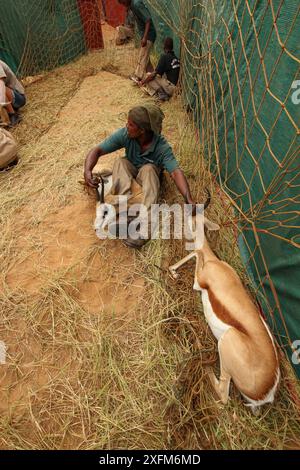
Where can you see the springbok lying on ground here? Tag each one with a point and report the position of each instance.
(247, 351)
(105, 199)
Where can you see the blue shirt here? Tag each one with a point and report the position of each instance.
(159, 153)
(141, 16)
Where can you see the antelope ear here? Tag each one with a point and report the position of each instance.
(211, 225)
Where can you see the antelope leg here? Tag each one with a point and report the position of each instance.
(174, 268)
(221, 386)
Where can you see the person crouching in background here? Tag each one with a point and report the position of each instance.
(162, 82)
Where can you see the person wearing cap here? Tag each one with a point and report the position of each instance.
(12, 93)
(147, 153)
(147, 33)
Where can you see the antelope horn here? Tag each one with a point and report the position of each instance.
(208, 200)
(100, 195)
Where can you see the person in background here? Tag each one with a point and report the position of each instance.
(8, 150)
(126, 31)
(147, 33)
(162, 82)
(12, 93)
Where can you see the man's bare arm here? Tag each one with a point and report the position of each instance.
(181, 182)
(146, 33)
(90, 162)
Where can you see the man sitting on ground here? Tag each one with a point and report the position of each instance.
(147, 153)
(126, 31)
(12, 93)
(162, 82)
(147, 32)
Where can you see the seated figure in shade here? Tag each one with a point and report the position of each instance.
(162, 82)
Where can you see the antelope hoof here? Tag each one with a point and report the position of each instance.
(174, 274)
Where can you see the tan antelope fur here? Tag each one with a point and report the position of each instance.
(104, 167)
(246, 348)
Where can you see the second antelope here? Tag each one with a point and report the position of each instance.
(247, 351)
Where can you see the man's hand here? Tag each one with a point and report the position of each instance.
(144, 42)
(91, 180)
(189, 200)
(149, 77)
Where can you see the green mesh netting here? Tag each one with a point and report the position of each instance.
(37, 35)
(240, 62)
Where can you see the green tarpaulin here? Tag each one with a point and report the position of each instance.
(37, 35)
(240, 62)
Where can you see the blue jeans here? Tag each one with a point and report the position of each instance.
(19, 100)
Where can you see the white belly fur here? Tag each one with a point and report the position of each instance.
(216, 325)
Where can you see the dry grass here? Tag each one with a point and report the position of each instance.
(129, 377)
